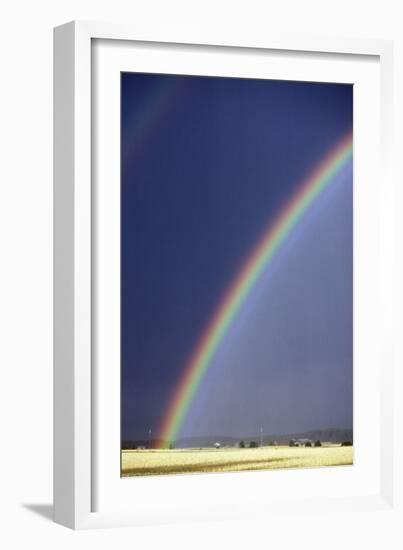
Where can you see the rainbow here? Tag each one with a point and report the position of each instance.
(151, 114)
(241, 287)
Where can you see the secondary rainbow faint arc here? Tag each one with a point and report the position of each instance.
(239, 290)
(151, 113)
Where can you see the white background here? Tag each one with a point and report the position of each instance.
(26, 265)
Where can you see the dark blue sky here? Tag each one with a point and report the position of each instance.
(206, 164)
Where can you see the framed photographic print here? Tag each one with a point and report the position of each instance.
(236, 257)
(221, 326)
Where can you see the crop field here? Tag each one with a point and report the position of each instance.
(181, 461)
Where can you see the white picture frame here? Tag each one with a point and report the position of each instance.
(78, 393)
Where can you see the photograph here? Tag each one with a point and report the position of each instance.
(236, 274)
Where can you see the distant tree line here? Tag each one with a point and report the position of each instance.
(252, 445)
(304, 443)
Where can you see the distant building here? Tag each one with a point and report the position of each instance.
(217, 445)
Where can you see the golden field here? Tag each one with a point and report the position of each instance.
(181, 461)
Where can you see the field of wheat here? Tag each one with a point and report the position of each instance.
(159, 462)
